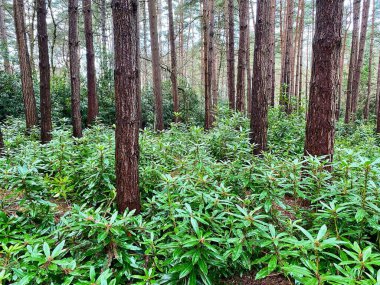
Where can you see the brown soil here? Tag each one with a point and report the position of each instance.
(274, 279)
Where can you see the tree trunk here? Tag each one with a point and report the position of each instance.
(320, 128)
(300, 54)
(341, 69)
(242, 56)
(103, 19)
(127, 93)
(208, 29)
(4, 40)
(359, 64)
(231, 56)
(93, 109)
(249, 73)
(262, 70)
(378, 98)
(74, 69)
(1, 143)
(45, 99)
(25, 68)
(272, 51)
(369, 83)
(287, 76)
(353, 60)
(152, 9)
(173, 54)
(54, 38)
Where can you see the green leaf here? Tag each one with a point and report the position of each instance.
(194, 224)
(237, 252)
(322, 232)
(186, 271)
(272, 264)
(203, 266)
(58, 250)
(262, 273)
(102, 236)
(46, 249)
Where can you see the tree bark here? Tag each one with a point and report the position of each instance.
(378, 98)
(249, 72)
(287, 76)
(359, 64)
(272, 51)
(54, 38)
(25, 67)
(262, 70)
(341, 69)
(74, 69)
(1, 143)
(320, 129)
(157, 90)
(231, 56)
(4, 40)
(103, 19)
(93, 108)
(369, 83)
(45, 98)
(173, 56)
(127, 93)
(353, 59)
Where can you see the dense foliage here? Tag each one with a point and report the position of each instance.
(210, 208)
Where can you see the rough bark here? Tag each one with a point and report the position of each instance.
(53, 39)
(93, 109)
(231, 56)
(242, 56)
(378, 98)
(152, 9)
(353, 59)
(287, 74)
(173, 56)
(76, 116)
(249, 71)
(1, 143)
(320, 129)
(103, 19)
(369, 82)
(25, 67)
(272, 51)
(359, 64)
(4, 40)
(299, 64)
(127, 93)
(43, 48)
(341, 69)
(262, 70)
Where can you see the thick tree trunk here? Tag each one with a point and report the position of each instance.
(93, 109)
(127, 93)
(74, 69)
(369, 83)
(359, 64)
(231, 56)
(242, 56)
(25, 68)
(287, 75)
(262, 70)
(320, 129)
(208, 29)
(353, 59)
(45, 98)
(173, 56)
(4, 40)
(152, 9)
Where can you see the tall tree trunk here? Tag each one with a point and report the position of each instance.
(341, 69)
(43, 47)
(208, 29)
(378, 98)
(320, 128)
(287, 76)
(152, 9)
(127, 93)
(353, 59)
(25, 68)
(173, 55)
(249, 73)
(76, 116)
(359, 64)
(231, 56)
(242, 56)
(103, 19)
(262, 70)
(369, 83)
(30, 29)
(93, 109)
(272, 51)
(300, 54)
(1, 143)
(4, 40)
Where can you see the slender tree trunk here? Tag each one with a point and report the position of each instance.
(295, 59)
(353, 59)
(127, 93)
(93, 109)
(1, 143)
(173, 54)
(320, 129)
(262, 70)
(249, 73)
(4, 40)
(242, 56)
(359, 64)
(54, 38)
(30, 32)
(103, 19)
(287, 76)
(272, 51)
(231, 56)
(74, 69)
(378, 98)
(307, 83)
(341, 69)
(369, 83)
(45, 100)
(25, 68)
(152, 9)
